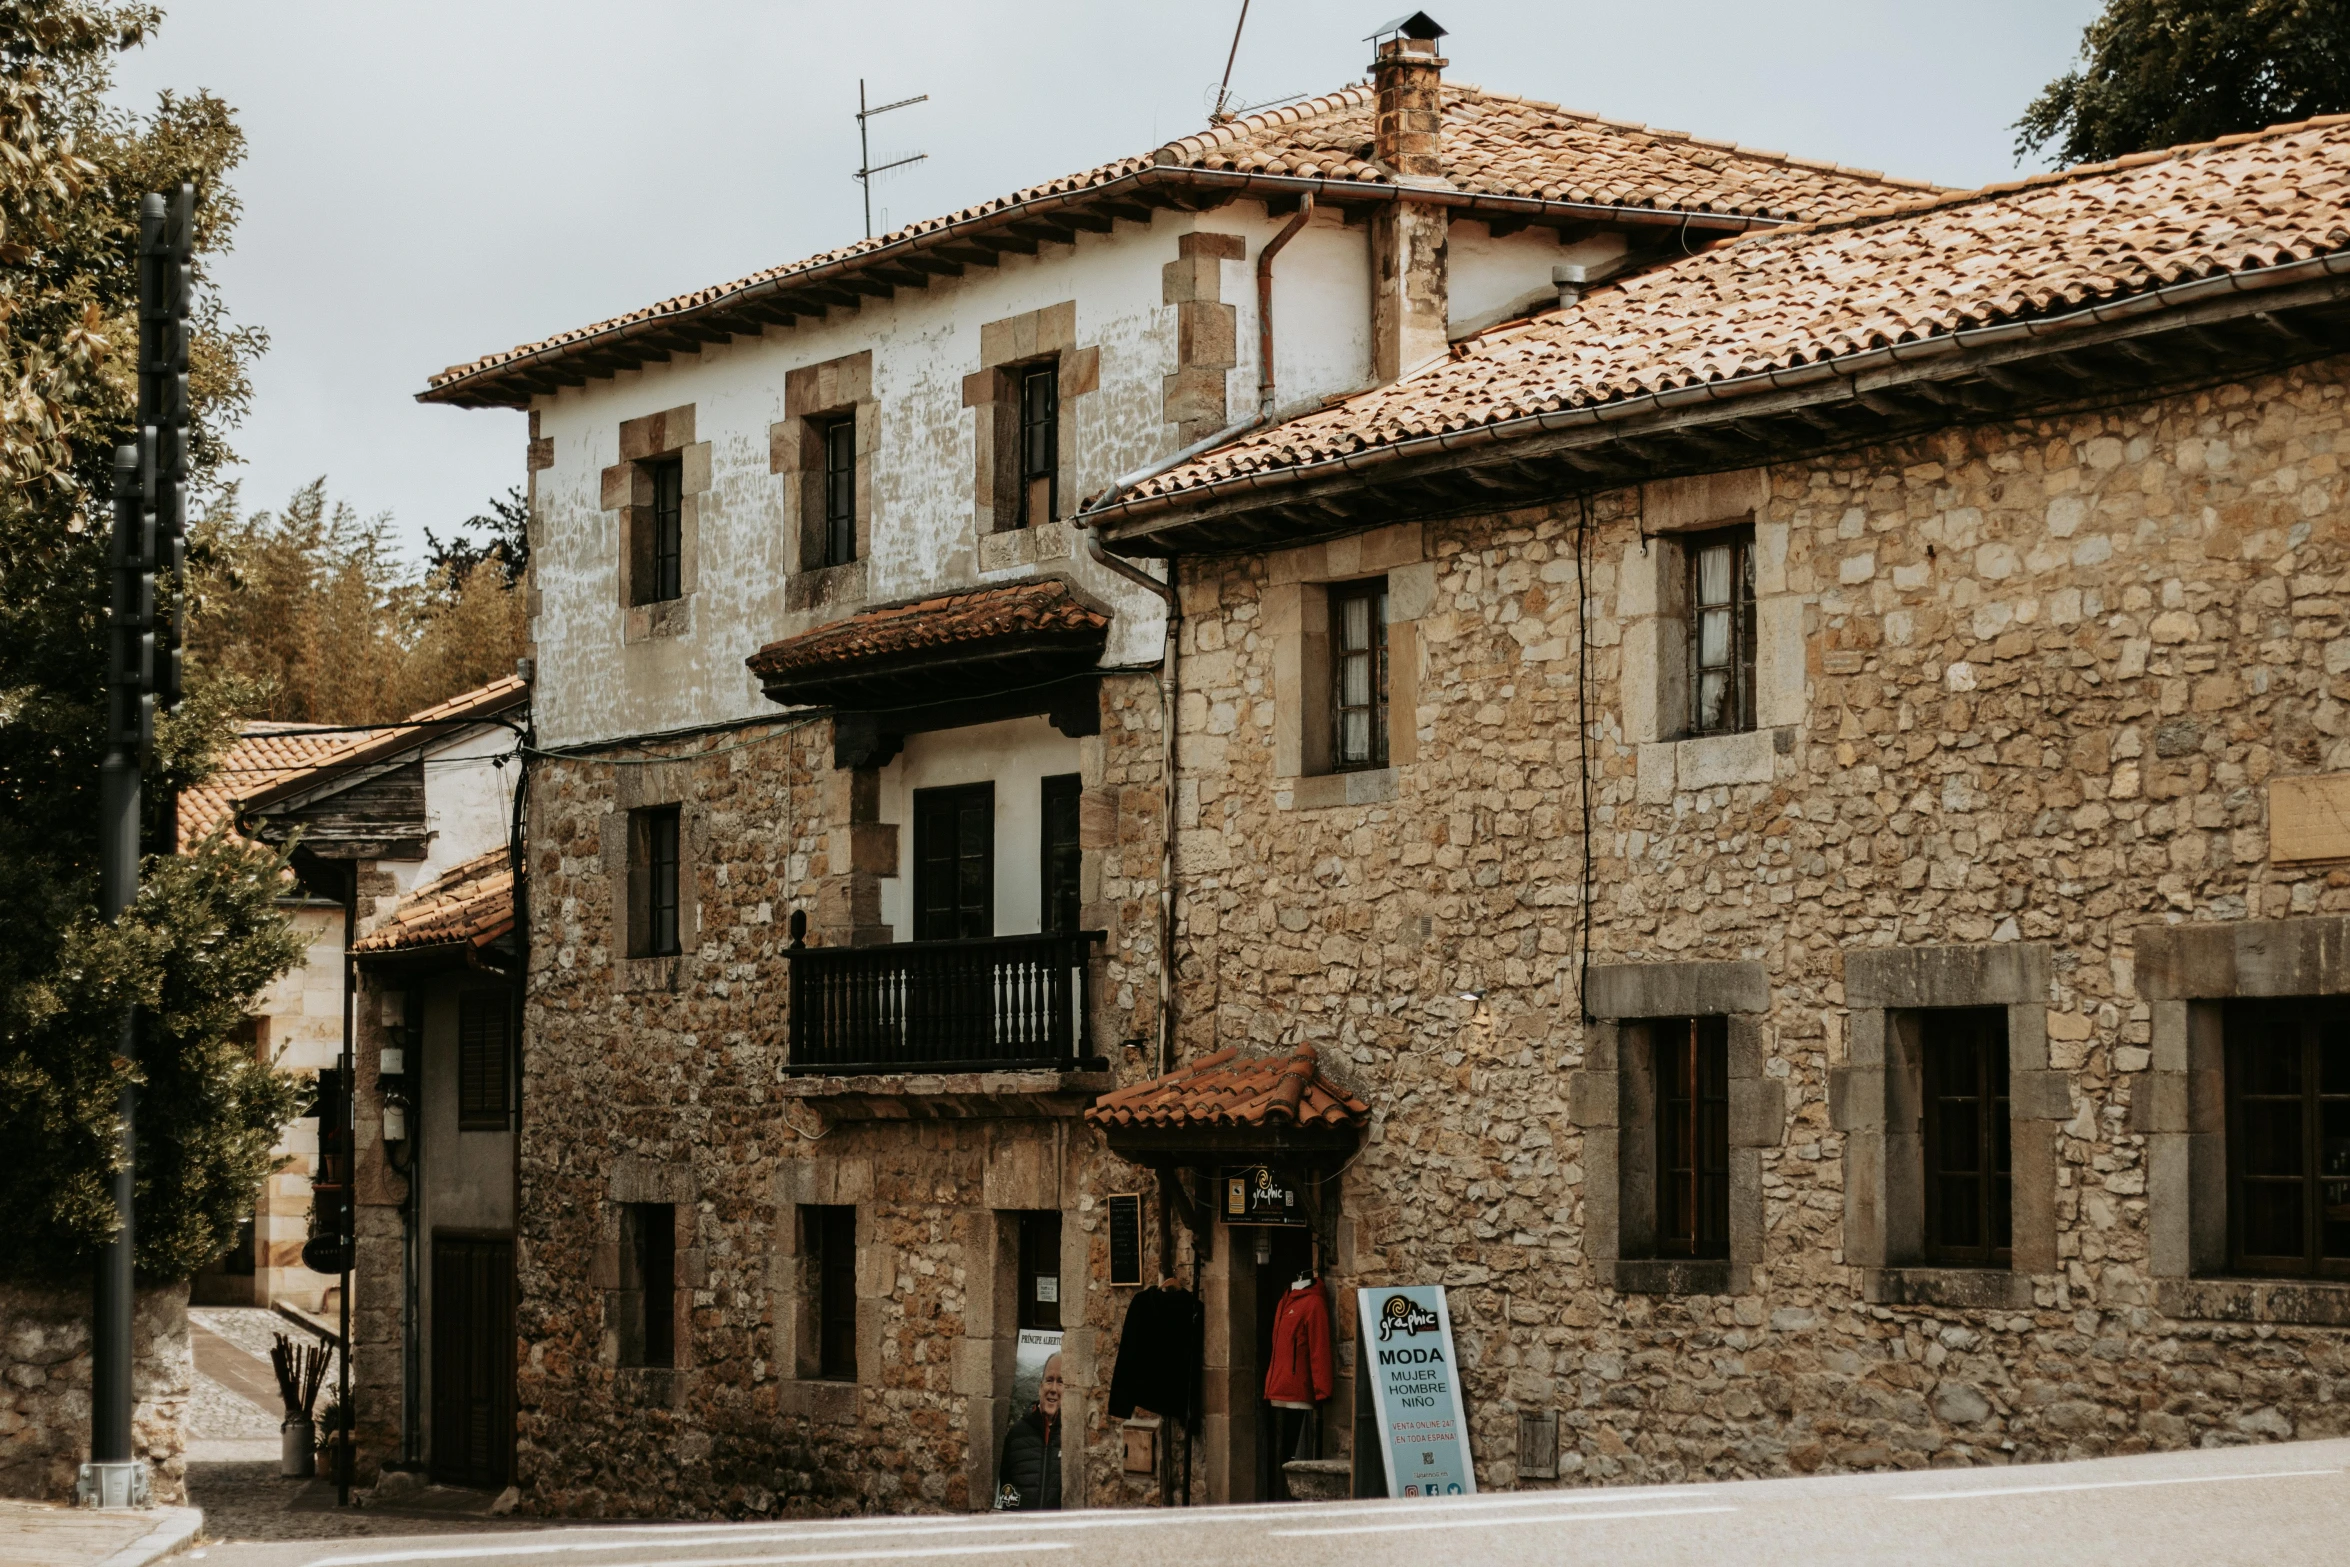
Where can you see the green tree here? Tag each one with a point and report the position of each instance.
(205, 936)
(2156, 73)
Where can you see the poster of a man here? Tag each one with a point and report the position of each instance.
(1030, 1477)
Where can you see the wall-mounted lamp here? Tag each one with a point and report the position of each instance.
(391, 1065)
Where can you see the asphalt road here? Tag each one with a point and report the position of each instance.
(2277, 1505)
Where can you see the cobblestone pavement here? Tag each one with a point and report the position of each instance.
(247, 1502)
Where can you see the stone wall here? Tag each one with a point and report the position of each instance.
(660, 1080)
(2040, 676)
(45, 1389)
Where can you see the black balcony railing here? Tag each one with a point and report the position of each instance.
(991, 1004)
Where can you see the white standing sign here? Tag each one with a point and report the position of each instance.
(1414, 1378)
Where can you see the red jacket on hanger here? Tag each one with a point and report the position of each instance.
(1298, 1371)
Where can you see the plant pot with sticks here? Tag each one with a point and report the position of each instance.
(301, 1368)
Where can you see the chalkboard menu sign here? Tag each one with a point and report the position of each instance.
(1125, 1238)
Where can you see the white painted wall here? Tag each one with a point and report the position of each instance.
(593, 686)
(1017, 756)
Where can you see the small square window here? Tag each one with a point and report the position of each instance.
(840, 491)
(1720, 601)
(1358, 676)
(1040, 444)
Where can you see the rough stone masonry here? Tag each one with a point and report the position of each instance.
(2021, 690)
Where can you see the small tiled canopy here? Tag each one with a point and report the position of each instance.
(467, 907)
(1231, 1102)
(937, 649)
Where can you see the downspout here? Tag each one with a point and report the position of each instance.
(1169, 694)
(1170, 674)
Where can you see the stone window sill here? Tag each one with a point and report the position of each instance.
(651, 622)
(1372, 786)
(1965, 1289)
(2316, 1303)
(826, 587)
(1670, 767)
(820, 1399)
(1676, 1276)
(639, 975)
(654, 1386)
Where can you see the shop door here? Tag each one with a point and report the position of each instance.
(472, 1362)
(1278, 1430)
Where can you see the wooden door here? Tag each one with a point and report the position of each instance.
(472, 1362)
(954, 862)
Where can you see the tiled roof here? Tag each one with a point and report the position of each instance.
(1229, 1089)
(372, 745)
(1495, 144)
(262, 756)
(1768, 302)
(1019, 613)
(1500, 144)
(471, 905)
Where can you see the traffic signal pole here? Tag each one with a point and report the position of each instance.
(148, 538)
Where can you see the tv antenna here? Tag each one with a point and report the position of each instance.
(865, 166)
(1218, 115)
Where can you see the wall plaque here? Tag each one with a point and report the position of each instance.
(1125, 1238)
(2309, 818)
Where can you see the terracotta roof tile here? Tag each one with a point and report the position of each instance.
(957, 621)
(369, 745)
(261, 757)
(1771, 301)
(471, 905)
(1495, 143)
(1230, 1089)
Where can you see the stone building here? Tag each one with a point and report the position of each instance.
(849, 828)
(1805, 789)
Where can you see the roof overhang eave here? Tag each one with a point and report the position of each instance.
(1135, 526)
(503, 385)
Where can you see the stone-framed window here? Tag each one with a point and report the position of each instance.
(1620, 1098)
(1717, 606)
(647, 1272)
(1909, 1009)
(2198, 981)
(820, 1202)
(1314, 653)
(652, 848)
(1356, 653)
(1714, 678)
(1016, 491)
(824, 448)
(658, 488)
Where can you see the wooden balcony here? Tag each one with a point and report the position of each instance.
(992, 1004)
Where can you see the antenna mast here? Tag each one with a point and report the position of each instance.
(865, 166)
(1224, 90)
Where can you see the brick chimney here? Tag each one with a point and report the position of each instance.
(1409, 291)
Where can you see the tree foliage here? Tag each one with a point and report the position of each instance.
(204, 937)
(2156, 73)
(312, 611)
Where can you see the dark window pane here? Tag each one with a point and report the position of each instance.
(2273, 1219)
(1064, 858)
(1040, 1270)
(2333, 1058)
(2272, 1137)
(483, 1017)
(954, 862)
(1720, 629)
(1040, 444)
(1968, 1147)
(1358, 667)
(1690, 1058)
(660, 872)
(840, 492)
(668, 552)
(829, 1236)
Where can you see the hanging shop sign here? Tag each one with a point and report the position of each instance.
(1260, 1194)
(1415, 1390)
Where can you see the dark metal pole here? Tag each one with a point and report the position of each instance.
(142, 674)
(347, 1208)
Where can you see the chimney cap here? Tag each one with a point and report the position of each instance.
(1417, 25)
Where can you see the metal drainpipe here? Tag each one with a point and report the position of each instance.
(1169, 694)
(1305, 210)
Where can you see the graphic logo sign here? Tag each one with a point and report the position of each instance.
(1416, 1391)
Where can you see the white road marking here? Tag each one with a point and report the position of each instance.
(2107, 1485)
(909, 1553)
(1494, 1523)
(1598, 1496)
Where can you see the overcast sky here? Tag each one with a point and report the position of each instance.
(431, 180)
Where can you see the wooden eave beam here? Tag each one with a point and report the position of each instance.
(969, 255)
(1093, 222)
(1054, 231)
(1001, 240)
